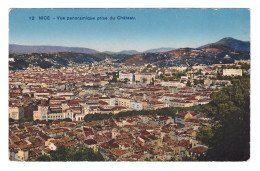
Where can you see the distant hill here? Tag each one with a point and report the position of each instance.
(58, 56)
(233, 44)
(133, 52)
(109, 52)
(128, 52)
(57, 60)
(162, 49)
(207, 54)
(13, 48)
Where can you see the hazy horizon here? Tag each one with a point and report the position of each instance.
(113, 51)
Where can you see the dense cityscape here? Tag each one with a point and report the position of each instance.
(116, 110)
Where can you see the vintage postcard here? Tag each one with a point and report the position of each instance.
(167, 84)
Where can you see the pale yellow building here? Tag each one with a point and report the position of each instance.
(232, 72)
(16, 112)
(23, 155)
(179, 103)
(123, 101)
(242, 61)
(144, 77)
(41, 113)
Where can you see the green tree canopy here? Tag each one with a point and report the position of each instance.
(72, 154)
(11, 120)
(229, 136)
(67, 120)
(188, 83)
(43, 158)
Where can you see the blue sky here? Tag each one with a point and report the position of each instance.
(152, 28)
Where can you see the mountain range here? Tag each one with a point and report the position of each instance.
(26, 49)
(162, 49)
(206, 54)
(13, 48)
(129, 52)
(58, 56)
(234, 44)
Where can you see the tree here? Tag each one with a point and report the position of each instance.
(172, 159)
(188, 83)
(25, 119)
(11, 120)
(196, 82)
(229, 138)
(115, 76)
(205, 135)
(72, 154)
(114, 79)
(126, 80)
(60, 154)
(146, 159)
(97, 116)
(67, 120)
(152, 82)
(43, 158)
(245, 66)
(186, 158)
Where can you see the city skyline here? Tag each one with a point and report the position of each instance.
(151, 28)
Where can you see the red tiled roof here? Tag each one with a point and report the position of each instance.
(198, 149)
(73, 104)
(104, 98)
(103, 109)
(155, 102)
(55, 104)
(163, 118)
(44, 104)
(105, 145)
(55, 122)
(129, 121)
(56, 98)
(182, 114)
(90, 142)
(118, 152)
(78, 130)
(184, 143)
(136, 156)
(87, 133)
(42, 122)
(193, 114)
(103, 102)
(118, 108)
(166, 130)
